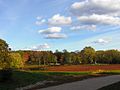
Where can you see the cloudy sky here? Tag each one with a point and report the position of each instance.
(60, 24)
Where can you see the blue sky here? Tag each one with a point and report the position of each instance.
(60, 24)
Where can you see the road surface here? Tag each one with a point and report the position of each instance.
(88, 84)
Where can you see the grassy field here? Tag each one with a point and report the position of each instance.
(23, 78)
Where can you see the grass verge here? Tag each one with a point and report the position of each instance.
(111, 72)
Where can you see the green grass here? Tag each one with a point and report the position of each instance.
(63, 73)
(21, 78)
(111, 72)
(115, 86)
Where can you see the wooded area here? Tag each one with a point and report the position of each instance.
(88, 55)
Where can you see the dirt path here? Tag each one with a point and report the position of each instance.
(88, 84)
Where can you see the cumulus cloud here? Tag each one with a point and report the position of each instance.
(53, 33)
(58, 20)
(55, 36)
(50, 30)
(96, 12)
(84, 27)
(88, 7)
(102, 41)
(38, 47)
(99, 19)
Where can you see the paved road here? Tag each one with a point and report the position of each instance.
(88, 84)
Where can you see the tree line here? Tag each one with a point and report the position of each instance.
(87, 55)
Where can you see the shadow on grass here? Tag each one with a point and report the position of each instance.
(115, 86)
(21, 78)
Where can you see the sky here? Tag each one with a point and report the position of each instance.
(60, 24)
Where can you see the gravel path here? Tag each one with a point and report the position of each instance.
(88, 84)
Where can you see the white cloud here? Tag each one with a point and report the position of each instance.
(39, 17)
(53, 33)
(88, 7)
(38, 47)
(84, 27)
(50, 30)
(58, 20)
(99, 19)
(106, 12)
(55, 36)
(41, 22)
(102, 41)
